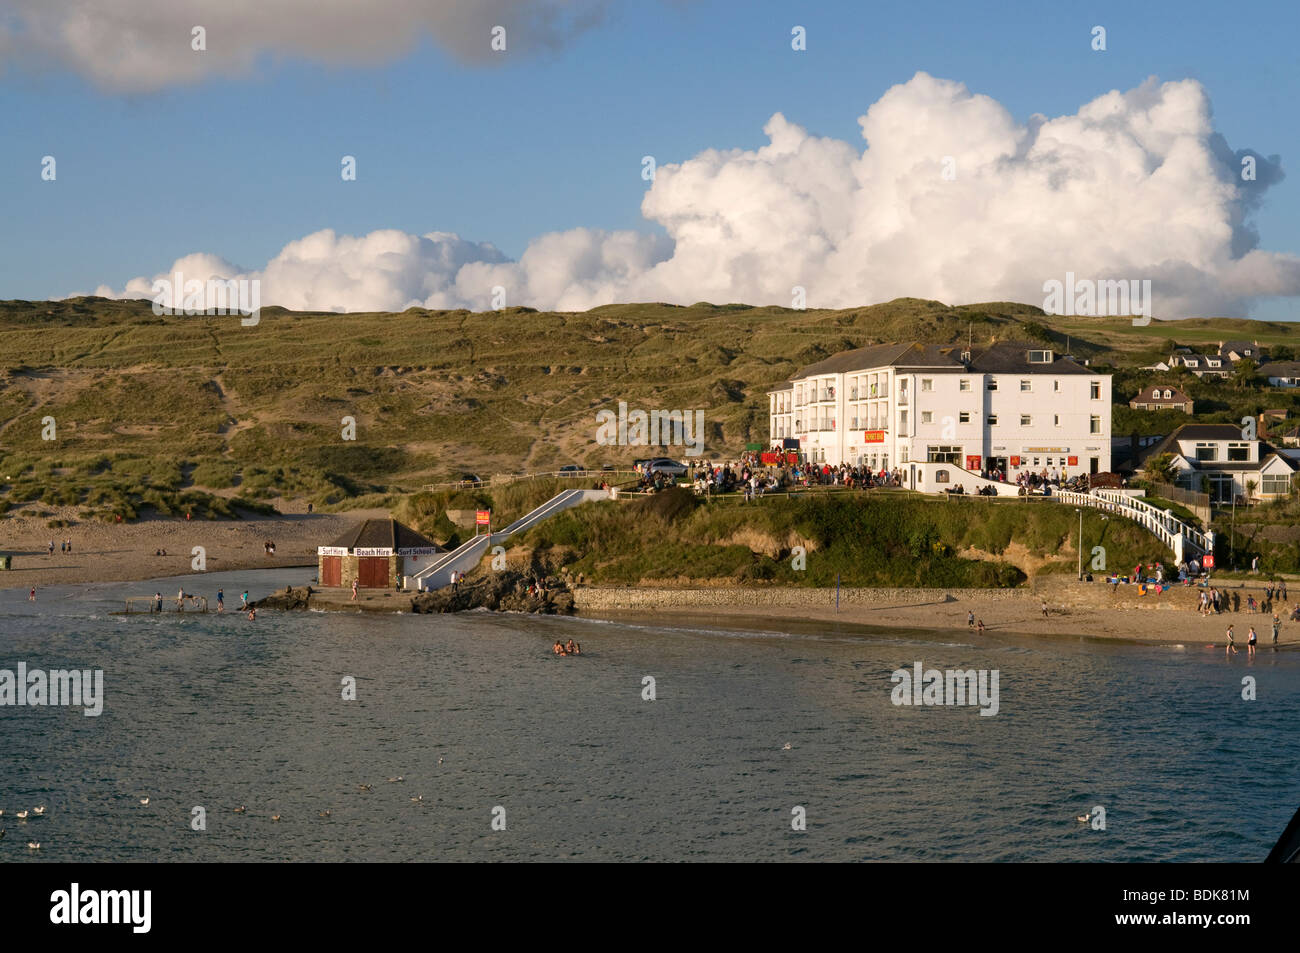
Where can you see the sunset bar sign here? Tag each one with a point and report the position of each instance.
(873, 436)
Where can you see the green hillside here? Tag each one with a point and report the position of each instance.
(147, 408)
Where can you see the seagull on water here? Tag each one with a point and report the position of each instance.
(38, 811)
(144, 801)
(323, 813)
(1083, 818)
(275, 817)
(241, 809)
(2, 832)
(396, 779)
(365, 787)
(22, 815)
(439, 761)
(417, 800)
(786, 746)
(33, 845)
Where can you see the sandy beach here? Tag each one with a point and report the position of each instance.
(122, 552)
(1074, 610)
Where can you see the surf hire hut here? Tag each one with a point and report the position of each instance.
(376, 553)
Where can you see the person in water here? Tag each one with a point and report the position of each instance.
(1250, 641)
(252, 613)
(980, 627)
(1231, 647)
(573, 648)
(221, 600)
(559, 648)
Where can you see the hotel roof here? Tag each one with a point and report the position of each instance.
(1007, 357)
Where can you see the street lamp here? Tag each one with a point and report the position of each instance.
(1079, 510)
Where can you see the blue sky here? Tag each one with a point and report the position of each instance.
(523, 146)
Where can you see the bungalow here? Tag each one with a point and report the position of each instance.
(1162, 398)
(1281, 373)
(1215, 459)
(376, 553)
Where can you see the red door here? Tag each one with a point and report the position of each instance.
(372, 572)
(331, 571)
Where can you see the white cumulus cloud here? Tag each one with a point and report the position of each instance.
(951, 199)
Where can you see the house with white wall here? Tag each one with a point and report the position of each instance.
(1219, 460)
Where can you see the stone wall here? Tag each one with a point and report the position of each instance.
(595, 599)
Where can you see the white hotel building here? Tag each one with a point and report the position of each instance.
(936, 411)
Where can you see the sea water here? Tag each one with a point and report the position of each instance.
(516, 754)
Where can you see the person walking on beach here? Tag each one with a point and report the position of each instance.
(970, 619)
(1277, 624)
(1231, 647)
(1250, 642)
(1281, 590)
(1044, 608)
(354, 590)
(221, 600)
(157, 602)
(51, 547)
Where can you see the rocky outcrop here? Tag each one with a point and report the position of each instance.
(290, 598)
(503, 591)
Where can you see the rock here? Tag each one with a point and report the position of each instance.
(289, 599)
(504, 591)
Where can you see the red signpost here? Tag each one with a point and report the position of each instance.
(483, 518)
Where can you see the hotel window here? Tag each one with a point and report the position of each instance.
(1275, 484)
(993, 420)
(1056, 386)
(927, 384)
(1094, 390)
(902, 421)
(1056, 420)
(963, 385)
(1026, 420)
(927, 417)
(1239, 452)
(1207, 451)
(963, 417)
(1094, 424)
(944, 454)
(1026, 386)
(1035, 461)
(993, 383)
(902, 455)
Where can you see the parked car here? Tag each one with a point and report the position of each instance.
(666, 466)
(470, 479)
(573, 468)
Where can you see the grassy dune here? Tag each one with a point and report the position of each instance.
(186, 412)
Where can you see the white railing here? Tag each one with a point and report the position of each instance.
(1173, 532)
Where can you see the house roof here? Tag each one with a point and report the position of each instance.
(777, 388)
(1004, 357)
(1280, 369)
(1178, 396)
(383, 533)
(1241, 347)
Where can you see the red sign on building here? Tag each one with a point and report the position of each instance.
(873, 436)
(972, 462)
(1072, 461)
